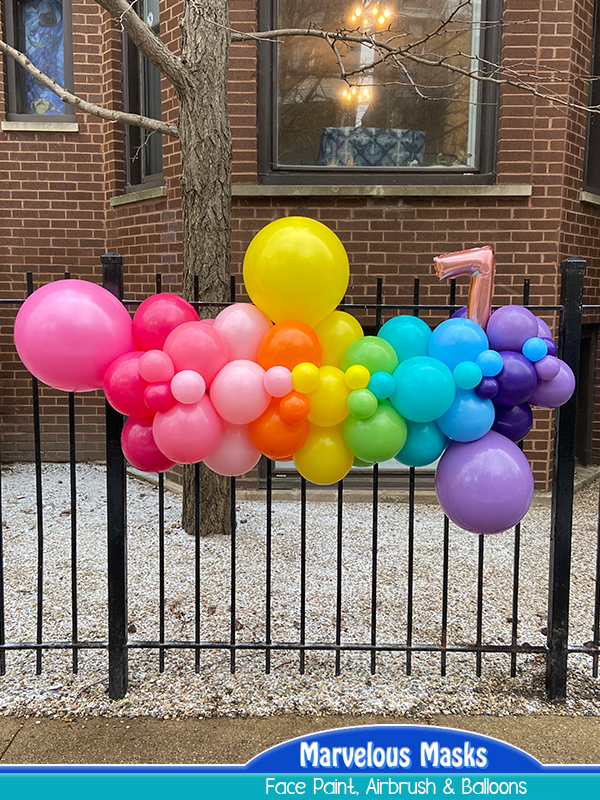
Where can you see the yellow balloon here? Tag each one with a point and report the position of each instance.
(336, 332)
(324, 457)
(328, 402)
(296, 269)
(305, 377)
(357, 377)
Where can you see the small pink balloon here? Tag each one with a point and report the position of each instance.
(188, 433)
(188, 386)
(67, 333)
(124, 387)
(157, 316)
(238, 392)
(198, 347)
(243, 327)
(208, 321)
(159, 397)
(547, 368)
(236, 454)
(278, 381)
(156, 366)
(139, 447)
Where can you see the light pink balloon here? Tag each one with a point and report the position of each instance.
(156, 366)
(238, 392)
(278, 381)
(243, 327)
(188, 433)
(236, 454)
(188, 386)
(139, 447)
(67, 333)
(198, 347)
(157, 316)
(124, 387)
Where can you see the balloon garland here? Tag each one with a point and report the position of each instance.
(292, 378)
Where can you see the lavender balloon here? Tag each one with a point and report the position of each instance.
(510, 326)
(517, 380)
(547, 368)
(514, 422)
(484, 486)
(553, 393)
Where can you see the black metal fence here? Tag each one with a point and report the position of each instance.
(555, 650)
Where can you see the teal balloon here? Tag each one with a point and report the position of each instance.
(382, 384)
(409, 336)
(362, 403)
(373, 353)
(424, 444)
(457, 340)
(467, 375)
(468, 418)
(424, 390)
(378, 438)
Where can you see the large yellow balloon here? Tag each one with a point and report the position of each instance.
(329, 401)
(296, 269)
(336, 332)
(324, 457)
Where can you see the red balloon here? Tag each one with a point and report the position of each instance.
(199, 347)
(139, 447)
(159, 397)
(288, 344)
(157, 316)
(124, 387)
(275, 438)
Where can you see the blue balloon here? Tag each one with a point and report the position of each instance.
(382, 384)
(409, 336)
(490, 363)
(424, 389)
(468, 418)
(457, 340)
(424, 444)
(535, 349)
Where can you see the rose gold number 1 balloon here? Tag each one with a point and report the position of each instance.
(480, 264)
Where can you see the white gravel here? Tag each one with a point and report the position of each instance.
(214, 691)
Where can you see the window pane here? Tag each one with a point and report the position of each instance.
(41, 38)
(391, 116)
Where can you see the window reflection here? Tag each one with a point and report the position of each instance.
(41, 36)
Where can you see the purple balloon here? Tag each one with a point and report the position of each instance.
(510, 326)
(461, 313)
(544, 331)
(487, 389)
(547, 368)
(484, 486)
(514, 422)
(517, 380)
(552, 348)
(553, 393)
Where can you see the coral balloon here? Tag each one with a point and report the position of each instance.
(242, 326)
(198, 347)
(188, 433)
(337, 332)
(156, 367)
(328, 402)
(188, 386)
(296, 268)
(236, 454)
(288, 344)
(324, 458)
(159, 397)
(67, 333)
(238, 392)
(139, 447)
(274, 437)
(124, 387)
(294, 407)
(157, 316)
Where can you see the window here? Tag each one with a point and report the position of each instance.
(141, 95)
(41, 29)
(592, 162)
(404, 122)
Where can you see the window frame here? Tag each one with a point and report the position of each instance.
(13, 70)
(591, 180)
(269, 172)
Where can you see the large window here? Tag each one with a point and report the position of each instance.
(400, 121)
(41, 29)
(592, 161)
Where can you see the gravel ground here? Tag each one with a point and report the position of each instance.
(213, 691)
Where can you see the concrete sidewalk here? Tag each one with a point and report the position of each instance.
(553, 739)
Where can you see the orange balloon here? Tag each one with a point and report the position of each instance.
(289, 343)
(294, 407)
(275, 438)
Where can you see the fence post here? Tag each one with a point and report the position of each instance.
(116, 494)
(563, 476)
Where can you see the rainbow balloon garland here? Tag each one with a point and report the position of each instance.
(293, 378)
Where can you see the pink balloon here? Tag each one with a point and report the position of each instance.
(238, 392)
(124, 387)
(197, 347)
(140, 448)
(159, 397)
(156, 366)
(236, 454)
(188, 433)
(68, 332)
(157, 316)
(188, 386)
(243, 327)
(278, 381)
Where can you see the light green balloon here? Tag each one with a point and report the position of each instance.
(374, 353)
(377, 438)
(362, 403)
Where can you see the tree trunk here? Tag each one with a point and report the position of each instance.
(206, 199)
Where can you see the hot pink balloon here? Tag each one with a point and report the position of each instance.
(139, 447)
(243, 327)
(188, 433)
(157, 316)
(68, 332)
(197, 347)
(238, 392)
(278, 381)
(188, 386)
(124, 387)
(236, 454)
(156, 366)
(159, 397)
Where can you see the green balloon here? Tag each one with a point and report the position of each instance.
(374, 353)
(378, 438)
(359, 463)
(424, 444)
(362, 403)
